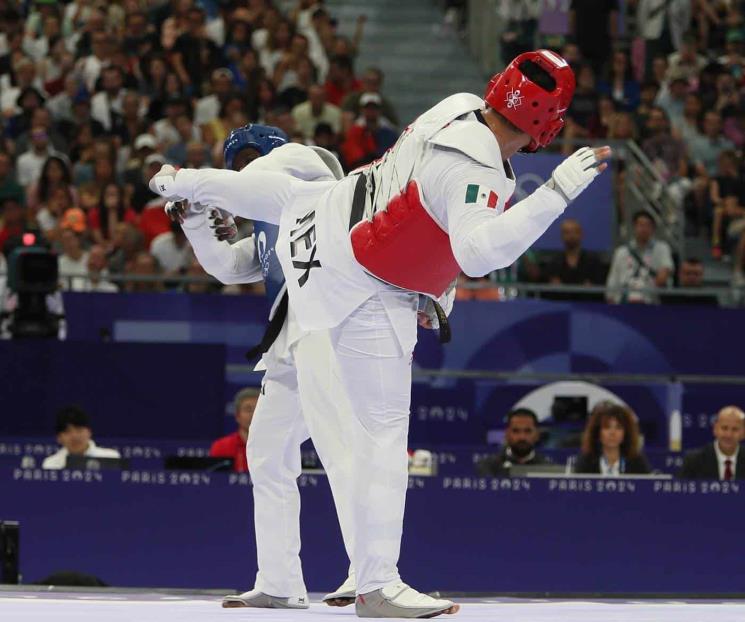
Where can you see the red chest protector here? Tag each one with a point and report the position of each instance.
(404, 246)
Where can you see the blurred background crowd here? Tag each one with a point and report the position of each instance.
(95, 96)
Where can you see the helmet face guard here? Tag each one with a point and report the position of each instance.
(533, 94)
(263, 138)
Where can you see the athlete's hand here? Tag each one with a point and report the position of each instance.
(176, 211)
(575, 173)
(424, 320)
(222, 224)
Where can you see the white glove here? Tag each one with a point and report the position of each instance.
(575, 173)
(164, 182)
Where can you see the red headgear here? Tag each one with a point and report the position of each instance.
(533, 93)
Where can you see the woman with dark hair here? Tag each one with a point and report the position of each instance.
(54, 174)
(158, 83)
(610, 443)
(238, 41)
(619, 83)
(29, 100)
(266, 98)
(112, 210)
(233, 114)
(278, 44)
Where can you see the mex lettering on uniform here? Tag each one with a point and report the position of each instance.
(303, 246)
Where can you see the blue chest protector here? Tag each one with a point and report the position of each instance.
(266, 239)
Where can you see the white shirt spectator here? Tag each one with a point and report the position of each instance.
(628, 275)
(102, 105)
(166, 134)
(3, 278)
(61, 107)
(100, 285)
(207, 109)
(90, 68)
(259, 39)
(46, 220)
(171, 257)
(30, 164)
(316, 52)
(9, 95)
(652, 14)
(76, 14)
(36, 48)
(69, 268)
(306, 122)
(59, 460)
(215, 30)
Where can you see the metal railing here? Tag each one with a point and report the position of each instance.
(726, 296)
(647, 189)
(550, 377)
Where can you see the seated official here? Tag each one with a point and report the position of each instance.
(520, 439)
(610, 443)
(721, 459)
(234, 445)
(73, 428)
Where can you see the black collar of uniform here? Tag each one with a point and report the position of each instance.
(480, 117)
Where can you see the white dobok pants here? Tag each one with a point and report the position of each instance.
(278, 428)
(362, 364)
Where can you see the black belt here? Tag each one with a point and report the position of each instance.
(358, 211)
(272, 330)
(444, 333)
(358, 200)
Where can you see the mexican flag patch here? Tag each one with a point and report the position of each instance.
(481, 195)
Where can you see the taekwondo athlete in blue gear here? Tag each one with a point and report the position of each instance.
(262, 139)
(279, 426)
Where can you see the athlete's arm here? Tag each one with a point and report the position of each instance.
(258, 195)
(483, 240)
(228, 263)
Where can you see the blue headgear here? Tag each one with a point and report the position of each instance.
(263, 138)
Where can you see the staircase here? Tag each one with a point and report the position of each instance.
(423, 60)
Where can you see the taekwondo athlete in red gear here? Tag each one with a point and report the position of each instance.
(445, 182)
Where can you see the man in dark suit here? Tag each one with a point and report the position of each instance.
(520, 439)
(721, 459)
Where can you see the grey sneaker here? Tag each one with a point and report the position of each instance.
(401, 601)
(344, 595)
(255, 598)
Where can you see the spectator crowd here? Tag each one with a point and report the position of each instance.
(669, 75)
(95, 96)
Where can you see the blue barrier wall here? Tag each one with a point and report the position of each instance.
(129, 389)
(194, 530)
(522, 335)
